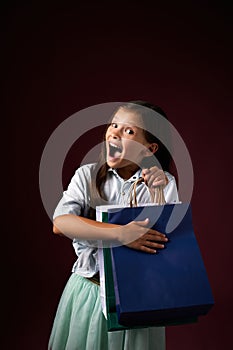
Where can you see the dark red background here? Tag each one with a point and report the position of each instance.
(59, 60)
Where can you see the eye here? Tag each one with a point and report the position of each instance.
(129, 131)
(114, 125)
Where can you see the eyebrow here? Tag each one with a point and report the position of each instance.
(126, 124)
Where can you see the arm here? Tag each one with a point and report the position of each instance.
(69, 222)
(136, 234)
(73, 226)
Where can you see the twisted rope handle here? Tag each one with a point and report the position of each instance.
(157, 195)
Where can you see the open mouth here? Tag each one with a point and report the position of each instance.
(114, 150)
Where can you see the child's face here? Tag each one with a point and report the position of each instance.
(126, 144)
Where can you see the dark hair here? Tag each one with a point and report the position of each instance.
(153, 125)
(151, 116)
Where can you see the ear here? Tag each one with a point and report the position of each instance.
(153, 147)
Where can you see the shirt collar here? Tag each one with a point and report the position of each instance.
(133, 178)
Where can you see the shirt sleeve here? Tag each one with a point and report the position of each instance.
(170, 190)
(74, 199)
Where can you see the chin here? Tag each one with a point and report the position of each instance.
(112, 164)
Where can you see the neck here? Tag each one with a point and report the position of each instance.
(127, 172)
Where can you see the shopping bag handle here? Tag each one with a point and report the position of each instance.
(157, 195)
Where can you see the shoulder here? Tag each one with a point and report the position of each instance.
(170, 177)
(170, 190)
(86, 170)
(83, 174)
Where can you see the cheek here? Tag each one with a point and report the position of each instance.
(133, 147)
(106, 134)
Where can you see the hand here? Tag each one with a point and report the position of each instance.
(147, 240)
(154, 177)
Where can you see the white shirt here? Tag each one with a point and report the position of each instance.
(76, 200)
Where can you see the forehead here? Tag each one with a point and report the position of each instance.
(123, 116)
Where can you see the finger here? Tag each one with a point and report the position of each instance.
(155, 238)
(145, 178)
(151, 180)
(151, 244)
(159, 175)
(149, 175)
(158, 182)
(143, 222)
(152, 169)
(155, 233)
(145, 171)
(147, 250)
(138, 245)
(155, 179)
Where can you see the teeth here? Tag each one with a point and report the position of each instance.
(114, 151)
(112, 145)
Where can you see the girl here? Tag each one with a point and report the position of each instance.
(79, 323)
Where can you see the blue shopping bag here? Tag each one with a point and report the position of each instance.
(169, 287)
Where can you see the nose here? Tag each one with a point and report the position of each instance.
(116, 133)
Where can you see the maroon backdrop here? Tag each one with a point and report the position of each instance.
(62, 59)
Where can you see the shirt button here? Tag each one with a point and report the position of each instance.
(123, 193)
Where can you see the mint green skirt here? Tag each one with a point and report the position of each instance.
(79, 323)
